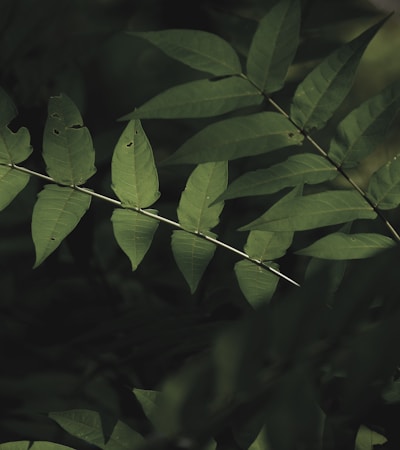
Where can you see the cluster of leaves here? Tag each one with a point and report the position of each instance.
(269, 381)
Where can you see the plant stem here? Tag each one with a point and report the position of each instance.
(148, 213)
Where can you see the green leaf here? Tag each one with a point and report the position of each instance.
(238, 137)
(7, 108)
(298, 169)
(86, 425)
(11, 184)
(313, 211)
(133, 171)
(198, 49)
(367, 439)
(56, 213)
(67, 144)
(324, 89)
(261, 442)
(268, 245)
(348, 246)
(38, 445)
(204, 185)
(14, 147)
(150, 402)
(192, 255)
(365, 127)
(134, 233)
(257, 284)
(200, 98)
(384, 185)
(274, 45)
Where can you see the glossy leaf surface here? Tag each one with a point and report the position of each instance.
(313, 211)
(298, 169)
(67, 144)
(200, 98)
(274, 45)
(238, 137)
(198, 49)
(348, 246)
(11, 184)
(56, 213)
(326, 86)
(134, 233)
(133, 171)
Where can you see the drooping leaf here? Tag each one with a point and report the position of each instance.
(365, 127)
(348, 246)
(274, 45)
(7, 108)
(150, 402)
(298, 169)
(198, 49)
(67, 144)
(133, 171)
(324, 89)
(134, 233)
(238, 137)
(313, 211)
(11, 184)
(37, 445)
(204, 185)
(192, 255)
(56, 213)
(200, 98)
(86, 425)
(257, 284)
(384, 185)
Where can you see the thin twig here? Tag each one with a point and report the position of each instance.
(148, 213)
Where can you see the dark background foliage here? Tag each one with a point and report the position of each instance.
(82, 329)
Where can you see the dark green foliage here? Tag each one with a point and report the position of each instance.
(269, 323)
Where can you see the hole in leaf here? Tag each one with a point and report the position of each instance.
(291, 135)
(55, 115)
(52, 238)
(76, 126)
(56, 132)
(218, 78)
(129, 144)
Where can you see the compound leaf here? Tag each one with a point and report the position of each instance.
(56, 213)
(67, 144)
(203, 186)
(365, 127)
(324, 89)
(348, 246)
(134, 233)
(384, 185)
(192, 255)
(298, 169)
(198, 49)
(313, 211)
(133, 171)
(238, 137)
(11, 184)
(29, 445)
(200, 98)
(257, 284)
(86, 425)
(274, 45)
